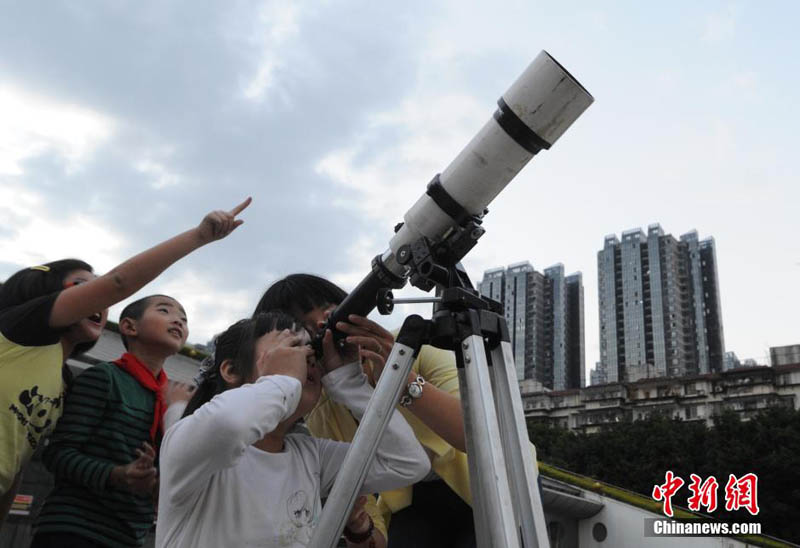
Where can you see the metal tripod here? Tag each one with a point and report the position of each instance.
(506, 501)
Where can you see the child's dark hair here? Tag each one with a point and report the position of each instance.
(237, 343)
(298, 294)
(135, 311)
(38, 281)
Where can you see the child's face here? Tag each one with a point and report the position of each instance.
(312, 388)
(88, 329)
(163, 324)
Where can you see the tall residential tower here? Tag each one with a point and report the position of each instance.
(544, 313)
(659, 306)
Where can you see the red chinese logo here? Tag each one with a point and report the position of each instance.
(742, 493)
(667, 490)
(739, 493)
(704, 495)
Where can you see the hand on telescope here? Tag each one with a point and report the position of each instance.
(333, 357)
(218, 224)
(374, 342)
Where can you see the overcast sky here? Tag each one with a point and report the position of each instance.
(124, 123)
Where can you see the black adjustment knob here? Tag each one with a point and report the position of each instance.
(404, 254)
(385, 301)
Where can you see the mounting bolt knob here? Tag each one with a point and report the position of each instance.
(404, 254)
(385, 301)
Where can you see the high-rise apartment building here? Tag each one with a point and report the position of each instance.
(544, 312)
(659, 306)
(575, 336)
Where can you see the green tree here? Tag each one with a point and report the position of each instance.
(636, 455)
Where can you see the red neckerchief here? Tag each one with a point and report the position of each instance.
(136, 369)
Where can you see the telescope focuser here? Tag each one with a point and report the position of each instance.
(386, 301)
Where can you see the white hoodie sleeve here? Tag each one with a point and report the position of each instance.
(399, 460)
(216, 435)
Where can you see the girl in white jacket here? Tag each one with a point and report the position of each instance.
(233, 473)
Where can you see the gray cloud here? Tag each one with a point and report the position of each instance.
(172, 80)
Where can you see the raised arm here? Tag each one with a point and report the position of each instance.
(83, 300)
(216, 435)
(439, 408)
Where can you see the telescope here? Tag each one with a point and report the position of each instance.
(445, 222)
(426, 249)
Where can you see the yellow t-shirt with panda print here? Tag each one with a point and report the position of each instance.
(31, 383)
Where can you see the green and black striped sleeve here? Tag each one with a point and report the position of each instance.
(69, 455)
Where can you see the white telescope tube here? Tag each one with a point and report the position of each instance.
(545, 100)
(535, 111)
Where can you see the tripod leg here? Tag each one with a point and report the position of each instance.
(520, 459)
(362, 450)
(490, 483)
(481, 532)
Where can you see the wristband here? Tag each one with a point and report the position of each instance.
(413, 391)
(358, 538)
